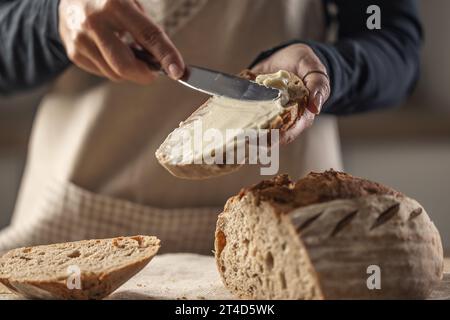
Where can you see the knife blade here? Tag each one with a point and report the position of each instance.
(222, 84)
(216, 83)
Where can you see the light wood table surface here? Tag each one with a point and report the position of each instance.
(189, 276)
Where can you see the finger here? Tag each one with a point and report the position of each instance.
(319, 91)
(152, 38)
(138, 5)
(317, 83)
(87, 65)
(302, 123)
(89, 49)
(261, 67)
(265, 66)
(120, 58)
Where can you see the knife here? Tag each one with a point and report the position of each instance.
(214, 82)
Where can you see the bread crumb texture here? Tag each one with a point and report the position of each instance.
(103, 265)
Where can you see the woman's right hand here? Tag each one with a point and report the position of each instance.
(91, 32)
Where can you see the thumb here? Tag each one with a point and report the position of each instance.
(318, 85)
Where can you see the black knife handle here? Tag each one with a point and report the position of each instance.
(148, 59)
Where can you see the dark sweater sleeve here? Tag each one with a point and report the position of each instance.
(370, 69)
(31, 52)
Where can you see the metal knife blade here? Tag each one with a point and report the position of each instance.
(215, 82)
(222, 84)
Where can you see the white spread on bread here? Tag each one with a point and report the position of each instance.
(221, 114)
(278, 80)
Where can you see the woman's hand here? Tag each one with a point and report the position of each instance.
(91, 32)
(301, 60)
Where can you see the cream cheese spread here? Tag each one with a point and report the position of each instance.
(211, 127)
(278, 80)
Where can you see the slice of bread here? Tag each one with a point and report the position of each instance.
(292, 106)
(327, 236)
(90, 269)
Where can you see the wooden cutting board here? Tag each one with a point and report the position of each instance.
(190, 276)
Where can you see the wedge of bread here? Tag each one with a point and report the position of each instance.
(279, 114)
(327, 236)
(90, 269)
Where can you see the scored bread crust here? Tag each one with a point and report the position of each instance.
(28, 272)
(294, 109)
(342, 225)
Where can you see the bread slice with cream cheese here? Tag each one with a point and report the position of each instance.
(223, 115)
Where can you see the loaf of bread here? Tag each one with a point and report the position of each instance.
(220, 114)
(90, 269)
(327, 236)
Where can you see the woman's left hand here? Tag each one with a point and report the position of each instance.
(301, 60)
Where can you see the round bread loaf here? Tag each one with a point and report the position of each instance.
(327, 236)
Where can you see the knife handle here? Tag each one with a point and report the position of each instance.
(148, 59)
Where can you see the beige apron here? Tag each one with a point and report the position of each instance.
(91, 170)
